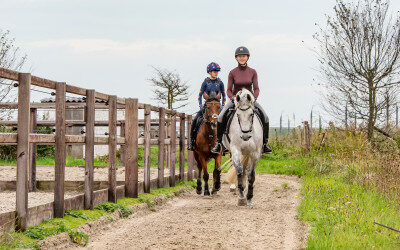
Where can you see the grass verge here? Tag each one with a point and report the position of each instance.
(76, 218)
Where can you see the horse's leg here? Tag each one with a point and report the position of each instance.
(251, 176)
(199, 167)
(239, 171)
(217, 174)
(205, 177)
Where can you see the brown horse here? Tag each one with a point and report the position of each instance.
(205, 141)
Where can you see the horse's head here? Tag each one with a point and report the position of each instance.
(212, 110)
(244, 103)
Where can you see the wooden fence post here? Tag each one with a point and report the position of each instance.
(161, 147)
(182, 138)
(307, 136)
(131, 143)
(23, 151)
(32, 151)
(122, 147)
(190, 153)
(60, 151)
(112, 149)
(168, 149)
(172, 150)
(147, 137)
(89, 149)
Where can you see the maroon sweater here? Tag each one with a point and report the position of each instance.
(242, 77)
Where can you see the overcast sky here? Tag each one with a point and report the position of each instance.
(111, 45)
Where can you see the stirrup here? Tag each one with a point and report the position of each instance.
(217, 148)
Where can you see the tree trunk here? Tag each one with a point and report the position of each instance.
(371, 102)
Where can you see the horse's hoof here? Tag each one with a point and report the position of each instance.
(214, 192)
(198, 191)
(241, 201)
(232, 188)
(250, 204)
(206, 193)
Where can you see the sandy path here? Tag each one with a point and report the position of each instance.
(8, 173)
(195, 222)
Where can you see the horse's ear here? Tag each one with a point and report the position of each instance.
(237, 98)
(248, 98)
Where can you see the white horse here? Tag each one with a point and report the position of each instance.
(246, 141)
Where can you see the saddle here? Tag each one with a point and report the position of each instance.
(230, 115)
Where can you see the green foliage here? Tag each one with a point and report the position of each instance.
(77, 214)
(41, 232)
(112, 207)
(17, 240)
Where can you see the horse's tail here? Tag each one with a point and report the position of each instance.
(232, 176)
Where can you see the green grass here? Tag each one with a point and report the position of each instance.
(340, 212)
(49, 161)
(75, 218)
(342, 215)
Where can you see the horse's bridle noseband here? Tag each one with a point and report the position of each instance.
(252, 120)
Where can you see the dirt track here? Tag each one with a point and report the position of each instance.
(195, 222)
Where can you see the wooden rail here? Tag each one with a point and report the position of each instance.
(27, 140)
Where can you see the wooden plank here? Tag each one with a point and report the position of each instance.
(8, 138)
(182, 147)
(24, 80)
(89, 149)
(32, 152)
(190, 153)
(44, 83)
(60, 152)
(9, 74)
(112, 149)
(51, 105)
(173, 150)
(161, 148)
(122, 148)
(131, 143)
(147, 127)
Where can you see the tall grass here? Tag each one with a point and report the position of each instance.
(348, 184)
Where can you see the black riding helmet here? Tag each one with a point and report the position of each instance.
(242, 51)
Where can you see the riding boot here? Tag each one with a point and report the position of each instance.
(193, 135)
(266, 148)
(220, 132)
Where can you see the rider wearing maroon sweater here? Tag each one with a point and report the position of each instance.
(242, 77)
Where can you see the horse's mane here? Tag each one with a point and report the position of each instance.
(213, 99)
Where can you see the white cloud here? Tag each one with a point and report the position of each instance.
(98, 45)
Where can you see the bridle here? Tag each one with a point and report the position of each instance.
(252, 119)
(213, 116)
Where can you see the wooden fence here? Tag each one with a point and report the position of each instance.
(26, 140)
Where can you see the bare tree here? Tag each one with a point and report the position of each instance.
(169, 88)
(359, 59)
(10, 58)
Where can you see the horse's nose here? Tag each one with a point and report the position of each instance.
(245, 137)
(214, 116)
